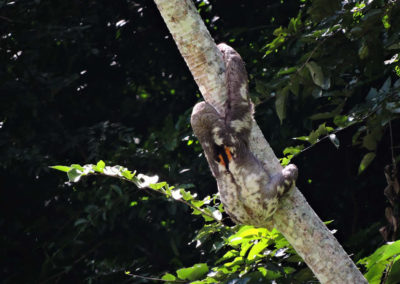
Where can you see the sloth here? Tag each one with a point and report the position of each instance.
(249, 193)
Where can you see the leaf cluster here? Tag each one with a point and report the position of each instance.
(343, 67)
(248, 254)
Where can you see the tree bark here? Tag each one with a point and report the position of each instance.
(295, 219)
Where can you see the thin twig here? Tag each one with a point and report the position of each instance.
(361, 120)
(165, 194)
(6, 19)
(153, 278)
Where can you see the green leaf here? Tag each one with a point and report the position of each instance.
(99, 166)
(245, 234)
(61, 168)
(321, 130)
(280, 103)
(386, 86)
(228, 255)
(318, 76)
(74, 175)
(396, 84)
(374, 275)
(370, 141)
(286, 71)
(245, 247)
(341, 120)
(363, 51)
(80, 221)
(78, 167)
(293, 150)
(197, 203)
(193, 273)
(235, 263)
(366, 160)
(209, 211)
(257, 248)
(302, 138)
(389, 251)
(168, 277)
(263, 271)
(372, 95)
(394, 274)
(157, 186)
(128, 174)
(187, 195)
(393, 107)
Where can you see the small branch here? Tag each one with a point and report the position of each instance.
(359, 121)
(153, 278)
(201, 210)
(10, 20)
(315, 49)
(311, 54)
(6, 19)
(165, 194)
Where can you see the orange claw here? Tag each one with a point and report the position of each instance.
(225, 157)
(221, 160)
(228, 153)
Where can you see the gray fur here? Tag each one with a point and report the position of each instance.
(250, 194)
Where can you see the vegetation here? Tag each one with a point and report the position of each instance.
(85, 81)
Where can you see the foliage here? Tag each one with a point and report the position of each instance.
(364, 35)
(247, 254)
(333, 78)
(383, 266)
(201, 207)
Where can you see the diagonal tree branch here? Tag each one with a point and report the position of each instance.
(295, 218)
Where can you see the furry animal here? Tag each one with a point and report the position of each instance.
(249, 193)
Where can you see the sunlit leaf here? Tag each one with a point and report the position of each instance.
(366, 160)
(74, 175)
(100, 166)
(128, 174)
(193, 273)
(168, 277)
(228, 255)
(257, 248)
(158, 185)
(61, 168)
(78, 167)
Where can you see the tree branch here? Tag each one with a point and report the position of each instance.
(295, 218)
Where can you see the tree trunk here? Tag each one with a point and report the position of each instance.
(294, 218)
